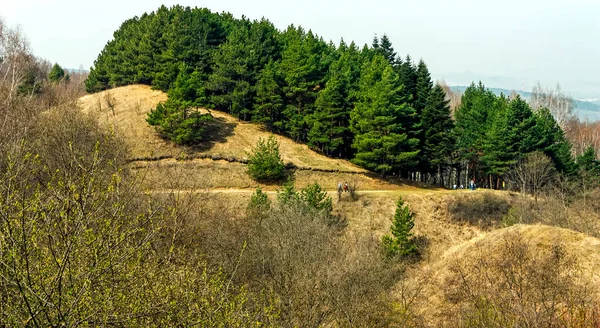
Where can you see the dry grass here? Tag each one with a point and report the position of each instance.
(449, 225)
(127, 113)
(431, 279)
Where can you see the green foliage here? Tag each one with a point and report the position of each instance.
(370, 106)
(382, 122)
(264, 162)
(439, 138)
(56, 74)
(30, 85)
(401, 242)
(259, 205)
(315, 197)
(179, 121)
(588, 161)
(288, 194)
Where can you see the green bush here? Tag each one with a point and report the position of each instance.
(177, 121)
(265, 163)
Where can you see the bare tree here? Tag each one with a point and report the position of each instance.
(560, 105)
(532, 173)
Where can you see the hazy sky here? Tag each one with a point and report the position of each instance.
(506, 43)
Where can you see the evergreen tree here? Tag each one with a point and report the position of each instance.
(421, 96)
(179, 121)
(315, 197)
(438, 128)
(329, 124)
(386, 50)
(56, 74)
(408, 78)
(473, 119)
(401, 242)
(588, 161)
(237, 64)
(268, 104)
(304, 65)
(553, 143)
(259, 205)
(379, 121)
(264, 162)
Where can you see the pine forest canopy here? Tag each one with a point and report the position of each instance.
(369, 105)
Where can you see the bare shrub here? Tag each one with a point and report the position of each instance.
(513, 284)
(532, 174)
(483, 209)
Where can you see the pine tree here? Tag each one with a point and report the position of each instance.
(401, 242)
(329, 124)
(588, 162)
(315, 197)
(264, 162)
(473, 120)
(56, 74)
(381, 121)
(438, 128)
(386, 50)
(552, 141)
(304, 64)
(259, 205)
(408, 77)
(268, 104)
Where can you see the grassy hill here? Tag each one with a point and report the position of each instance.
(456, 229)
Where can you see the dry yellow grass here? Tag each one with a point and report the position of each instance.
(445, 238)
(132, 103)
(428, 280)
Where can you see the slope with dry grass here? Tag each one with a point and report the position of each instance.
(457, 230)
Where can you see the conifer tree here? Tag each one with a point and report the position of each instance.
(381, 121)
(588, 161)
(56, 74)
(438, 128)
(553, 143)
(329, 124)
(400, 243)
(303, 65)
(473, 120)
(386, 50)
(264, 162)
(408, 77)
(268, 105)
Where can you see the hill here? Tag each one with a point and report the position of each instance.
(493, 265)
(452, 227)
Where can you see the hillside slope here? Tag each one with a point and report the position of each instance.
(229, 138)
(481, 262)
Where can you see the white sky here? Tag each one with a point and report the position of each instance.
(507, 43)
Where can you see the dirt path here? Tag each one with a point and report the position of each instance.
(399, 191)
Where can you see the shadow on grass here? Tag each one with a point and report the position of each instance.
(217, 131)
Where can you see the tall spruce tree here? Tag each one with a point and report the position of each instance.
(438, 127)
(382, 140)
(303, 65)
(473, 120)
(329, 124)
(553, 143)
(268, 106)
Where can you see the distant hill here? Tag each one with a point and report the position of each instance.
(587, 109)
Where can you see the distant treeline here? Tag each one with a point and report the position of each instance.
(366, 104)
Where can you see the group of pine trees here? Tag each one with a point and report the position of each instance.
(368, 105)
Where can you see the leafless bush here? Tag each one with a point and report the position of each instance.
(513, 284)
(482, 209)
(532, 174)
(317, 275)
